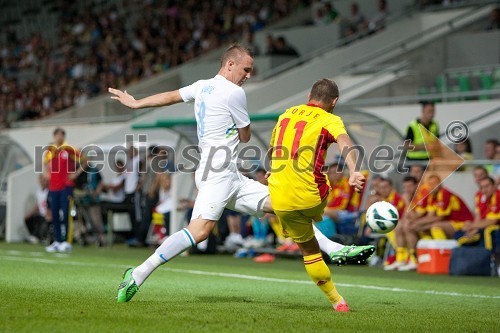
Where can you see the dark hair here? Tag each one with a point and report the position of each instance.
(410, 179)
(492, 141)
(386, 179)
(234, 52)
(468, 146)
(259, 169)
(59, 130)
(480, 167)
(425, 103)
(490, 179)
(324, 91)
(421, 166)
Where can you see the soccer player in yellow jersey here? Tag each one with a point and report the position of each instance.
(298, 188)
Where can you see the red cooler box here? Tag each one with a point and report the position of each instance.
(434, 256)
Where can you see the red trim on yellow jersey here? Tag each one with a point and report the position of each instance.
(325, 138)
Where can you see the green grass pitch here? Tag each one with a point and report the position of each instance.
(43, 292)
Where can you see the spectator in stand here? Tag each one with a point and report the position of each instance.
(281, 47)
(378, 21)
(490, 147)
(487, 217)
(330, 12)
(319, 16)
(64, 78)
(421, 145)
(61, 161)
(464, 149)
(250, 43)
(445, 213)
(269, 44)
(356, 22)
(36, 215)
(494, 23)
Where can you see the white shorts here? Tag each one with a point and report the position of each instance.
(228, 189)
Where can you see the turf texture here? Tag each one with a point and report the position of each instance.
(43, 292)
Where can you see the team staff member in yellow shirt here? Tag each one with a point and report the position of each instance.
(422, 145)
(298, 188)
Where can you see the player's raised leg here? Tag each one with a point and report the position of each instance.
(343, 254)
(339, 254)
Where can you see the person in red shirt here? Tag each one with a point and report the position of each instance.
(340, 192)
(384, 191)
(60, 164)
(445, 214)
(487, 214)
(410, 190)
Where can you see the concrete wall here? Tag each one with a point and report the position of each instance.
(473, 49)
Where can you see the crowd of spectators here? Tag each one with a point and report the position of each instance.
(101, 47)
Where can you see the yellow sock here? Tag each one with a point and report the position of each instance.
(401, 254)
(391, 237)
(412, 256)
(438, 233)
(320, 274)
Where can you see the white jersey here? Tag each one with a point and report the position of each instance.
(220, 108)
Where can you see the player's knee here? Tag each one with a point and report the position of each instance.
(200, 229)
(201, 235)
(268, 207)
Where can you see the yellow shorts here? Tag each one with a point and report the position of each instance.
(297, 224)
(457, 225)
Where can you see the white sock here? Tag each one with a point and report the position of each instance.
(169, 249)
(326, 245)
(202, 246)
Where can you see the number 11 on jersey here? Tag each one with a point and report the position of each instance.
(299, 130)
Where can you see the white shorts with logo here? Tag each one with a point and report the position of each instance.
(228, 189)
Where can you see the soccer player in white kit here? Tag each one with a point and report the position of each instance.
(222, 120)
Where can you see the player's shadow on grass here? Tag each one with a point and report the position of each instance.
(240, 299)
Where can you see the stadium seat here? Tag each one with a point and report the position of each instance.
(464, 84)
(486, 84)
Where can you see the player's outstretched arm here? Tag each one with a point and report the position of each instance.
(162, 99)
(356, 179)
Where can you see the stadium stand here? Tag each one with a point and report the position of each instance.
(100, 44)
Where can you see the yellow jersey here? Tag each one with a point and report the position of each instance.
(299, 141)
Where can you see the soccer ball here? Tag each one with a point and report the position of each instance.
(382, 217)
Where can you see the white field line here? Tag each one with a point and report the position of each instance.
(246, 277)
